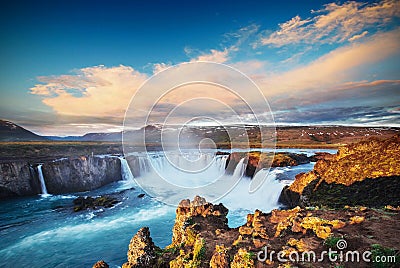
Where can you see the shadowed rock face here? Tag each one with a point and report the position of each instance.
(364, 173)
(61, 176)
(18, 179)
(80, 174)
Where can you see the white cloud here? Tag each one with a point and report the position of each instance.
(219, 56)
(158, 67)
(93, 91)
(334, 68)
(357, 36)
(334, 23)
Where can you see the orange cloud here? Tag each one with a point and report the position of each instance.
(92, 91)
(334, 23)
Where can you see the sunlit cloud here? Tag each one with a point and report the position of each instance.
(219, 56)
(93, 91)
(357, 36)
(334, 23)
(336, 67)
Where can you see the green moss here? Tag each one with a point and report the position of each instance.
(331, 241)
(380, 253)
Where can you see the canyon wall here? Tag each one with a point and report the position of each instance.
(20, 178)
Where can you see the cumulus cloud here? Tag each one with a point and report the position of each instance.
(93, 91)
(334, 23)
(158, 67)
(219, 56)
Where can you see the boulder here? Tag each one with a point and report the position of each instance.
(89, 202)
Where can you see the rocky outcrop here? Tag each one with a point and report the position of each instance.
(80, 174)
(101, 264)
(142, 251)
(88, 202)
(257, 160)
(18, 179)
(201, 237)
(365, 173)
(188, 210)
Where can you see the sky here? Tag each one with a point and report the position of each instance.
(72, 67)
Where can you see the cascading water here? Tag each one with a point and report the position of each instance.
(125, 170)
(41, 179)
(239, 169)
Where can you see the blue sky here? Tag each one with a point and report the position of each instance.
(69, 67)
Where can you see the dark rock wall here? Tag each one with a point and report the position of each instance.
(61, 176)
(18, 179)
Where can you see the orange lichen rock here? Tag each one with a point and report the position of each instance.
(302, 180)
(283, 218)
(186, 211)
(295, 218)
(356, 219)
(389, 207)
(242, 259)
(255, 225)
(220, 257)
(371, 158)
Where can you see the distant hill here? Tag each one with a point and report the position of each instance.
(112, 136)
(12, 132)
(287, 136)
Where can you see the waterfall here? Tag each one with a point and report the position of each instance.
(271, 188)
(125, 170)
(143, 165)
(41, 179)
(239, 169)
(177, 175)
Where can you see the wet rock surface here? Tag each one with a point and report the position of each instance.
(88, 202)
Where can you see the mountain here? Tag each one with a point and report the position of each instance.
(12, 132)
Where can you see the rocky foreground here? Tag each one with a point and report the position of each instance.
(350, 202)
(202, 238)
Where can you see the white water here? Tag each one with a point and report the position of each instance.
(128, 180)
(42, 182)
(173, 177)
(240, 169)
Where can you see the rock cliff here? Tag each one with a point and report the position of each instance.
(202, 238)
(364, 173)
(80, 174)
(257, 160)
(20, 178)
